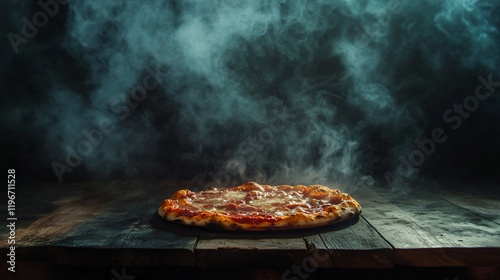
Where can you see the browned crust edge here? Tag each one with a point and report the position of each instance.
(346, 209)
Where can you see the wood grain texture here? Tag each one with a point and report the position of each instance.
(354, 244)
(426, 230)
(130, 223)
(116, 223)
(250, 249)
(486, 206)
(49, 212)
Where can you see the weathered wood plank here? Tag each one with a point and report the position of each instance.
(116, 224)
(52, 226)
(47, 212)
(484, 205)
(134, 232)
(354, 244)
(450, 224)
(426, 230)
(113, 223)
(251, 249)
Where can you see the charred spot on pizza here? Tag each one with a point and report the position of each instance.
(179, 221)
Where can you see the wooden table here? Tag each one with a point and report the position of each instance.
(116, 224)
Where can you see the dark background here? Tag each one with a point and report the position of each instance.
(360, 83)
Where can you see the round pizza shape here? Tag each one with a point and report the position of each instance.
(255, 207)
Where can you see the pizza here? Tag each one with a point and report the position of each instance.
(254, 207)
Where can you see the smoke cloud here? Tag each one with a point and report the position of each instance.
(288, 91)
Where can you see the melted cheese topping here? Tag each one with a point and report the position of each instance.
(258, 201)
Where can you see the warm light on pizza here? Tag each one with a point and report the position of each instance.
(252, 206)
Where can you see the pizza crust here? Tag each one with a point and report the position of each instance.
(330, 206)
